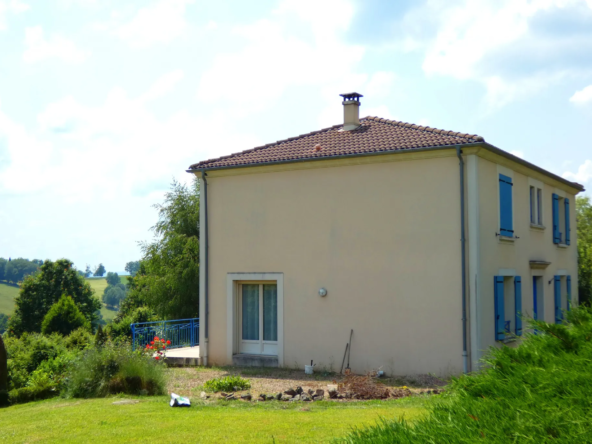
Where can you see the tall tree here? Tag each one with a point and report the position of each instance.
(3, 263)
(39, 292)
(168, 281)
(132, 267)
(88, 271)
(584, 222)
(100, 270)
(63, 317)
(113, 278)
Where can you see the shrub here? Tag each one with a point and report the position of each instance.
(113, 369)
(3, 374)
(3, 322)
(539, 391)
(121, 327)
(63, 317)
(79, 339)
(227, 384)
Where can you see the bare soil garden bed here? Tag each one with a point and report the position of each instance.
(274, 381)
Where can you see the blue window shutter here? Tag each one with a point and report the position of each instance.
(518, 304)
(557, 283)
(556, 233)
(569, 292)
(566, 201)
(499, 308)
(505, 191)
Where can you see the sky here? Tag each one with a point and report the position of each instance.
(104, 103)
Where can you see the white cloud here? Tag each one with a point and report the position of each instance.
(583, 96)
(163, 86)
(582, 175)
(301, 44)
(469, 34)
(161, 22)
(37, 48)
(11, 7)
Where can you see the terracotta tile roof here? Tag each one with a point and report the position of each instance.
(373, 136)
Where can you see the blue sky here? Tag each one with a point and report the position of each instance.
(103, 103)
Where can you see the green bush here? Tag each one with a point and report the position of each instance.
(113, 369)
(227, 384)
(121, 326)
(540, 391)
(79, 339)
(64, 317)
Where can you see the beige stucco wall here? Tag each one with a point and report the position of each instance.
(533, 244)
(381, 237)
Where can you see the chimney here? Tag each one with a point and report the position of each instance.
(351, 110)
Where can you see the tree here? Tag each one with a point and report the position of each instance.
(87, 272)
(100, 270)
(168, 280)
(15, 270)
(3, 322)
(3, 374)
(39, 292)
(584, 222)
(113, 295)
(63, 317)
(113, 278)
(3, 263)
(132, 267)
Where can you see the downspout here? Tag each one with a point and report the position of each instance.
(207, 255)
(463, 260)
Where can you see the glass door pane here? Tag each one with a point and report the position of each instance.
(250, 316)
(270, 312)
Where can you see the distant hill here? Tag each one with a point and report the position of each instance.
(7, 295)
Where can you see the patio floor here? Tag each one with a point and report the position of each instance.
(185, 352)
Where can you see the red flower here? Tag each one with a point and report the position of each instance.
(157, 357)
(147, 346)
(156, 338)
(168, 342)
(152, 342)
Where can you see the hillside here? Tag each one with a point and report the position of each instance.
(8, 293)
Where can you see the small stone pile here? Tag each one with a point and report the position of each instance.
(292, 394)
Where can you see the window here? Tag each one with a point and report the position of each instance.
(536, 206)
(561, 225)
(505, 203)
(562, 290)
(258, 307)
(508, 306)
(538, 304)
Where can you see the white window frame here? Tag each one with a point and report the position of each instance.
(233, 281)
(536, 199)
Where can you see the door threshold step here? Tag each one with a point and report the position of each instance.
(244, 360)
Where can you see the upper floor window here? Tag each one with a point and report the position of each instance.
(536, 205)
(561, 229)
(505, 204)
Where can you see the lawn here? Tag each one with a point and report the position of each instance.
(7, 295)
(99, 284)
(152, 420)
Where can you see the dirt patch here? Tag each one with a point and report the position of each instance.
(189, 381)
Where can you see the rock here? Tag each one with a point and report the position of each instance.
(332, 387)
(348, 395)
(223, 394)
(295, 398)
(230, 397)
(310, 392)
(333, 393)
(278, 396)
(291, 392)
(317, 397)
(262, 397)
(319, 392)
(204, 395)
(299, 390)
(246, 397)
(305, 397)
(340, 396)
(286, 398)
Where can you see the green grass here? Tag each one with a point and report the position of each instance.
(98, 284)
(7, 295)
(539, 391)
(152, 420)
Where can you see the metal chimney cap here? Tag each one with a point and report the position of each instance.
(351, 96)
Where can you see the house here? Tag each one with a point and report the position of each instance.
(429, 244)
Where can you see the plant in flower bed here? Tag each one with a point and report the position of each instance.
(114, 368)
(157, 348)
(540, 391)
(227, 384)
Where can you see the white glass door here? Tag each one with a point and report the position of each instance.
(258, 319)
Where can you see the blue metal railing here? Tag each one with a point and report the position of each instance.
(181, 333)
